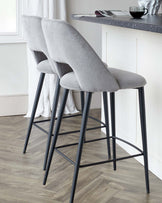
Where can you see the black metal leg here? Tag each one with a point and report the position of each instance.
(82, 106)
(81, 139)
(37, 95)
(112, 103)
(106, 112)
(144, 134)
(58, 124)
(54, 109)
(82, 100)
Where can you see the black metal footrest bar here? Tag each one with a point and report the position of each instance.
(101, 162)
(69, 132)
(70, 116)
(42, 121)
(40, 128)
(111, 160)
(77, 131)
(64, 156)
(95, 163)
(88, 141)
(97, 120)
(103, 138)
(46, 120)
(128, 143)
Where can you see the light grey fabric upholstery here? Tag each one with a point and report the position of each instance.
(44, 67)
(36, 42)
(33, 34)
(125, 79)
(74, 50)
(69, 81)
(89, 72)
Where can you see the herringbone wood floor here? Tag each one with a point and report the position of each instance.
(21, 175)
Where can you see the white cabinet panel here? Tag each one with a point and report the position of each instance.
(150, 65)
(140, 52)
(121, 53)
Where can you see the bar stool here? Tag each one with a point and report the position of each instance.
(90, 75)
(37, 44)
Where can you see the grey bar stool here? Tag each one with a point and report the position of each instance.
(37, 44)
(90, 75)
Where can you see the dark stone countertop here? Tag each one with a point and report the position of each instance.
(151, 23)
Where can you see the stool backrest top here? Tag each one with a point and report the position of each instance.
(66, 45)
(34, 33)
(36, 42)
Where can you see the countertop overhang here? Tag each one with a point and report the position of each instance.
(152, 23)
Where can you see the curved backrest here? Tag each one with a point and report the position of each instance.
(34, 35)
(36, 42)
(74, 50)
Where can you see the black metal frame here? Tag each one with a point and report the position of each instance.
(113, 137)
(53, 118)
(102, 124)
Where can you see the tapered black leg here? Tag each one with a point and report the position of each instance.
(82, 106)
(54, 109)
(82, 100)
(37, 95)
(58, 124)
(144, 134)
(106, 112)
(112, 103)
(81, 139)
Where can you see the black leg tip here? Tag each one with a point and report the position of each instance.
(44, 181)
(148, 191)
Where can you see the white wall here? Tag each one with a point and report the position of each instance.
(92, 32)
(13, 79)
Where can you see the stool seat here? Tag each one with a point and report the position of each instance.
(45, 67)
(125, 79)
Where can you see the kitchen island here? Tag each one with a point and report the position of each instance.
(136, 45)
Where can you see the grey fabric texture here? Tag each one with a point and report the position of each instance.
(36, 42)
(125, 79)
(44, 67)
(74, 50)
(33, 34)
(69, 81)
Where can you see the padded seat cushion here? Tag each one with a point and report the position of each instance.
(45, 67)
(125, 79)
(70, 82)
